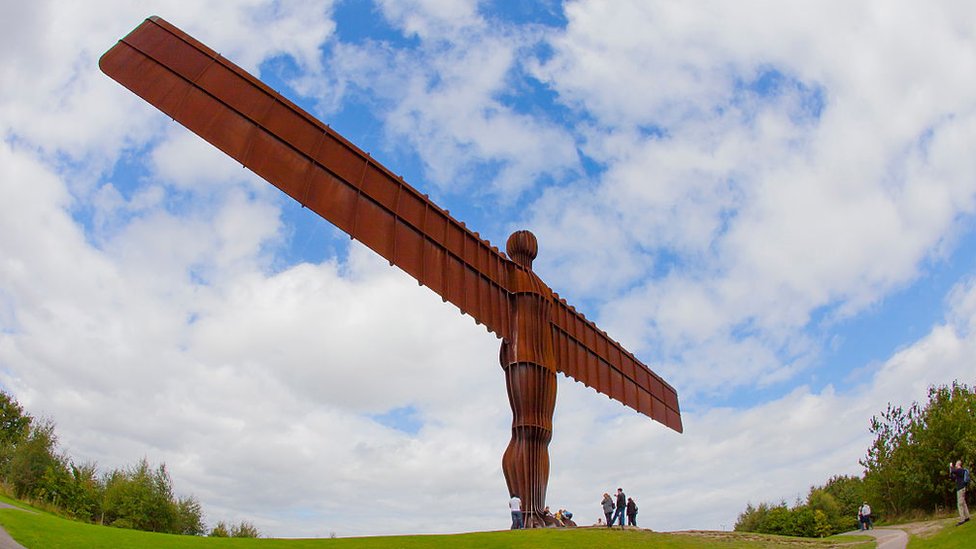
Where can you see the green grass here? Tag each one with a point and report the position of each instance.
(949, 537)
(36, 530)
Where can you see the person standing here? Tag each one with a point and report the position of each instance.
(959, 474)
(620, 509)
(607, 507)
(631, 512)
(866, 516)
(515, 505)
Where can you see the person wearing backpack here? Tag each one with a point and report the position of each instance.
(607, 504)
(631, 512)
(961, 476)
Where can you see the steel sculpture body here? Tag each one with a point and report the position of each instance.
(541, 334)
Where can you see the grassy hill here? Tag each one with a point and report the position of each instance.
(35, 530)
(941, 534)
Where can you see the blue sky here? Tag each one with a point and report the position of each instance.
(771, 206)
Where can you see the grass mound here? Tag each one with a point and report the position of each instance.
(941, 534)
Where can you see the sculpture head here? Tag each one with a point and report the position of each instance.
(522, 247)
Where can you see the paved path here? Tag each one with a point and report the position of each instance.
(888, 538)
(7, 542)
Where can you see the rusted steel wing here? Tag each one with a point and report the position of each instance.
(276, 139)
(589, 355)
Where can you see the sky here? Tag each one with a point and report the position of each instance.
(773, 205)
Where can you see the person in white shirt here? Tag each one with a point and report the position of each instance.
(515, 504)
(866, 516)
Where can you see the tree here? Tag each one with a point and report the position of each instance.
(945, 431)
(823, 503)
(14, 422)
(905, 469)
(140, 498)
(779, 520)
(220, 530)
(14, 429)
(839, 499)
(34, 465)
(907, 464)
(84, 492)
(822, 525)
(848, 492)
(890, 463)
(244, 530)
(189, 517)
(752, 518)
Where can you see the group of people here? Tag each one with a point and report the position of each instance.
(562, 518)
(615, 510)
(864, 521)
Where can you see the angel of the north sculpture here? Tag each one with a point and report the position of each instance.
(541, 334)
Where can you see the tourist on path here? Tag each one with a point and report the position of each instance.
(866, 521)
(959, 475)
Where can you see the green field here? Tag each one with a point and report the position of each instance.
(38, 530)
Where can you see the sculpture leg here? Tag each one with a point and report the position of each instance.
(532, 395)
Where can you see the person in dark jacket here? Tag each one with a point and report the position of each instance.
(607, 504)
(631, 512)
(958, 474)
(620, 509)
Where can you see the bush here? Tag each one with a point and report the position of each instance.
(141, 498)
(35, 471)
(220, 530)
(137, 497)
(189, 517)
(14, 429)
(818, 517)
(243, 530)
(84, 493)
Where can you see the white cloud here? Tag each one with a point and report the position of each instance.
(829, 190)
(445, 101)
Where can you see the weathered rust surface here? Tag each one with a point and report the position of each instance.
(530, 377)
(289, 148)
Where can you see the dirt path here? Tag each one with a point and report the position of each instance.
(7, 542)
(888, 538)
